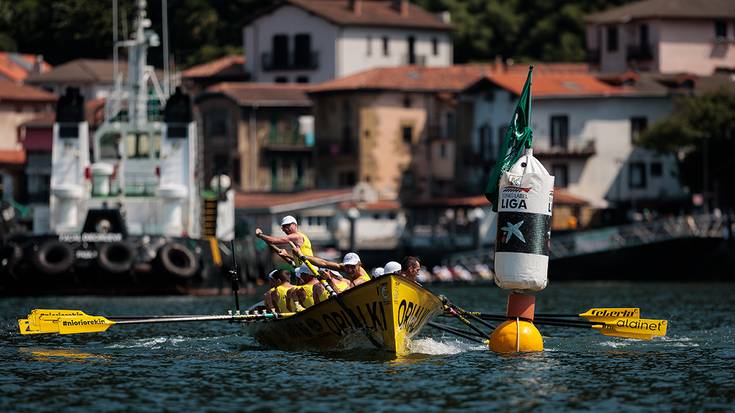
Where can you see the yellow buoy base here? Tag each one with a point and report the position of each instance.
(516, 336)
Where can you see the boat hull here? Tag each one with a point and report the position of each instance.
(392, 309)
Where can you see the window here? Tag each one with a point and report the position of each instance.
(302, 79)
(346, 147)
(489, 96)
(281, 79)
(369, 49)
(643, 36)
(443, 150)
(219, 164)
(346, 178)
(612, 39)
(236, 170)
(137, 145)
(561, 175)
(280, 51)
(109, 146)
(656, 169)
(559, 131)
(386, 51)
(501, 138)
(406, 101)
(411, 50)
(486, 150)
(407, 134)
(720, 29)
(302, 50)
(637, 125)
(451, 124)
(636, 175)
(434, 46)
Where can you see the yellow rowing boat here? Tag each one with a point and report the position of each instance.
(391, 309)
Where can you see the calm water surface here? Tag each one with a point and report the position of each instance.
(218, 367)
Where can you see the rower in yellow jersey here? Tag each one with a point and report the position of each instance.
(303, 295)
(351, 267)
(338, 283)
(291, 229)
(278, 295)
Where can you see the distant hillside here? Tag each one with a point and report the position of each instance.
(61, 30)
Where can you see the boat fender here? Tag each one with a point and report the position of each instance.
(526, 194)
(178, 260)
(115, 257)
(53, 257)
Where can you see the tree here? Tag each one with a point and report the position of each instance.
(701, 131)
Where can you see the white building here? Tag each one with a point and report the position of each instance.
(312, 41)
(664, 36)
(583, 133)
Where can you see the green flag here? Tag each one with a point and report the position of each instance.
(518, 137)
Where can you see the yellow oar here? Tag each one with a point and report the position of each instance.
(75, 321)
(637, 328)
(600, 314)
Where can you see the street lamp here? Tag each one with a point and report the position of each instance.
(352, 214)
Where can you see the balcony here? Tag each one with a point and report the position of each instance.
(292, 61)
(576, 149)
(639, 53)
(293, 141)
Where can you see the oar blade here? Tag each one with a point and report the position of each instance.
(85, 324)
(610, 314)
(26, 328)
(639, 328)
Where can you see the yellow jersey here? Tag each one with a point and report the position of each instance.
(340, 285)
(308, 295)
(281, 302)
(324, 296)
(305, 249)
(364, 276)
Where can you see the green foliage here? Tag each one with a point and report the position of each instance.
(701, 130)
(524, 30)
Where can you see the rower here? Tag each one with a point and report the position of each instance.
(411, 268)
(289, 226)
(351, 267)
(339, 285)
(304, 294)
(267, 299)
(279, 294)
(392, 268)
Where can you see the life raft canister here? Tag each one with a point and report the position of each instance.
(526, 194)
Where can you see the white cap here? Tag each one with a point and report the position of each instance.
(301, 270)
(377, 272)
(351, 259)
(288, 220)
(392, 267)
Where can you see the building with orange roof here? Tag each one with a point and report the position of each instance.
(391, 128)
(229, 68)
(694, 36)
(584, 132)
(16, 67)
(261, 134)
(312, 41)
(18, 103)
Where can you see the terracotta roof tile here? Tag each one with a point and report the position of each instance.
(12, 157)
(437, 79)
(223, 65)
(82, 71)
(372, 13)
(547, 85)
(456, 201)
(381, 205)
(658, 9)
(563, 197)
(274, 200)
(261, 94)
(407, 78)
(14, 92)
(16, 66)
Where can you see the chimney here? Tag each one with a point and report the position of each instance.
(401, 6)
(356, 7)
(37, 64)
(498, 67)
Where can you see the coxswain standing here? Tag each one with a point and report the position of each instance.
(291, 229)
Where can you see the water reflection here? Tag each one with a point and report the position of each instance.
(62, 355)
